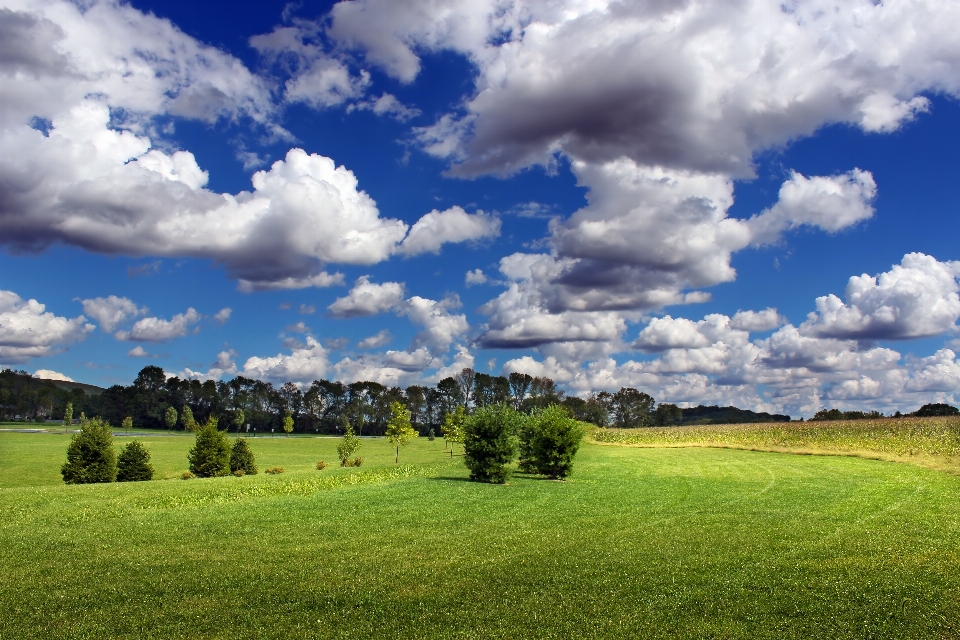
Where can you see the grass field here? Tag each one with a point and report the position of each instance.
(640, 542)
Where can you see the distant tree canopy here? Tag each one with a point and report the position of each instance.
(935, 410)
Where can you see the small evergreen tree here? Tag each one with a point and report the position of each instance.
(241, 458)
(549, 440)
(399, 430)
(90, 456)
(186, 419)
(210, 455)
(170, 417)
(453, 424)
(68, 415)
(349, 444)
(133, 463)
(490, 442)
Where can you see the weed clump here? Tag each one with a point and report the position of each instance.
(133, 463)
(186, 475)
(91, 457)
(274, 470)
(321, 465)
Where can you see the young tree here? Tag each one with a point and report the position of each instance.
(127, 424)
(490, 442)
(287, 423)
(170, 417)
(238, 419)
(210, 455)
(186, 419)
(91, 456)
(241, 458)
(549, 440)
(453, 427)
(399, 430)
(133, 463)
(349, 444)
(68, 415)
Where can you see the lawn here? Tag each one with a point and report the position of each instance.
(640, 542)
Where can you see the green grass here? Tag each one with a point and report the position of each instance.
(640, 542)
(930, 442)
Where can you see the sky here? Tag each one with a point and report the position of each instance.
(750, 203)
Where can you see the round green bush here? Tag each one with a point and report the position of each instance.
(241, 458)
(490, 442)
(133, 463)
(91, 457)
(550, 438)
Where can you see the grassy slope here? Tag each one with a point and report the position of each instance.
(639, 543)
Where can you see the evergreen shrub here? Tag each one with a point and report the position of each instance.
(133, 463)
(241, 458)
(210, 455)
(490, 442)
(91, 457)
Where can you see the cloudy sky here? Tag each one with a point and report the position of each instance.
(750, 203)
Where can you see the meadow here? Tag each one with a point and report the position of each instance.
(654, 542)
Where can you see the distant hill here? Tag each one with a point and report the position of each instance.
(89, 389)
(727, 415)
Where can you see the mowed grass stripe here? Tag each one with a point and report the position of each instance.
(639, 543)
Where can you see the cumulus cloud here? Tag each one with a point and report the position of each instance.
(223, 315)
(440, 327)
(386, 105)
(475, 277)
(224, 366)
(917, 298)
(303, 364)
(375, 341)
(47, 374)
(155, 329)
(139, 352)
(437, 228)
(831, 203)
(319, 280)
(28, 330)
(366, 299)
(111, 311)
(757, 320)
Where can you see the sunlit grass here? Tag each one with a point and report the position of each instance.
(931, 442)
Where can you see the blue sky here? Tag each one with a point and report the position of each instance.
(750, 205)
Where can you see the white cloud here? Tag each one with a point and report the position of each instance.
(437, 228)
(366, 299)
(440, 327)
(223, 315)
(830, 203)
(111, 311)
(224, 366)
(139, 352)
(307, 309)
(917, 298)
(299, 327)
(320, 280)
(28, 330)
(386, 105)
(756, 320)
(47, 374)
(375, 341)
(416, 360)
(159, 330)
(475, 277)
(303, 364)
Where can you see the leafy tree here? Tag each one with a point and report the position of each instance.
(68, 415)
(933, 410)
(241, 458)
(238, 419)
(287, 423)
(631, 408)
(186, 419)
(667, 414)
(453, 425)
(91, 457)
(170, 417)
(399, 430)
(349, 444)
(519, 385)
(210, 455)
(127, 424)
(133, 463)
(490, 442)
(549, 440)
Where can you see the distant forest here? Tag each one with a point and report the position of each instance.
(243, 404)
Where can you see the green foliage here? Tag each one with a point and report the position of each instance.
(238, 419)
(399, 430)
(936, 410)
(431, 436)
(549, 440)
(170, 418)
(287, 423)
(127, 424)
(453, 426)
(186, 419)
(348, 445)
(631, 408)
(210, 455)
(186, 475)
(241, 457)
(667, 414)
(274, 471)
(133, 463)
(91, 457)
(68, 415)
(490, 442)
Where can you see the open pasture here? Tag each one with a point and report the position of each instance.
(640, 542)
